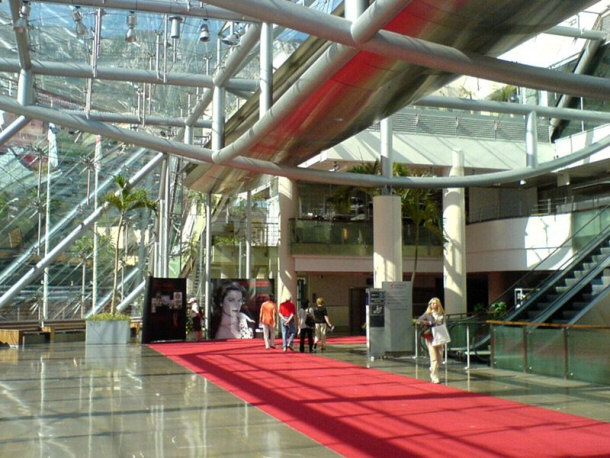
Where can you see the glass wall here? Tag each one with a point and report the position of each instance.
(577, 352)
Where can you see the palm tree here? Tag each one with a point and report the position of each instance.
(341, 196)
(125, 200)
(83, 252)
(419, 205)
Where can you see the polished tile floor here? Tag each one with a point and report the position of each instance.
(70, 400)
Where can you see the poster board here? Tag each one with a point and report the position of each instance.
(164, 310)
(255, 292)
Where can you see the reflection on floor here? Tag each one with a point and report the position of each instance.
(89, 401)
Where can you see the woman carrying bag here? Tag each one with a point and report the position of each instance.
(435, 334)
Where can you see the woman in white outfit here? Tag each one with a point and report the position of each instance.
(434, 316)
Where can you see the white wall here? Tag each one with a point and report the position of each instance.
(517, 244)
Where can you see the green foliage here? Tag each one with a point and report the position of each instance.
(126, 199)
(418, 204)
(479, 307)
(503, 94)
(107, 316)
(340, 199)
(498, 309)
(83, 248)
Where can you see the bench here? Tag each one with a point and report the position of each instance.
(136, 326)
(69, 330)
(15, 334)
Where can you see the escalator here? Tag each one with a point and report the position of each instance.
(577, 292)
(568, 294)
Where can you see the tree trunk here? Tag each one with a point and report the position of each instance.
(416, 255)
(115, 280)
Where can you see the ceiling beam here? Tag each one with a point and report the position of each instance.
(76, 70)
(422, 52)
(204, 155)
(152, 6)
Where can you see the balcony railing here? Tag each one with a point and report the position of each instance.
(317, 236)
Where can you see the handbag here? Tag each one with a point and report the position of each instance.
(440, 335)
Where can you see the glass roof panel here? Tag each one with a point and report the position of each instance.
(64, 34)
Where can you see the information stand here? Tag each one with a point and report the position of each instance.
(375, 320)
(398, 316)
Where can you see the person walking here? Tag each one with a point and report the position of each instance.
(288, 316)
(322, 322)
(306, 326)
(434, 316)
(196, 318)
(267, 320)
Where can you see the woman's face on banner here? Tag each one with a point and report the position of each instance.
(232, 302)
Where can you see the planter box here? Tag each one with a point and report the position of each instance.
(108, 332)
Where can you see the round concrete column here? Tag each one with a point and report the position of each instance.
(454, 264)
(387, 239)
(286, 278)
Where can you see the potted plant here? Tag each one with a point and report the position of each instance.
(113, 327)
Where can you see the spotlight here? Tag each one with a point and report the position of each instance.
(174, 31)
(232, 39)
(130, 36)
(78, 21)
(204, 33)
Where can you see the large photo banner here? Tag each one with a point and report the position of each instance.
(236, 305)
(164, 311)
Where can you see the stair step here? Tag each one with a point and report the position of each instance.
(569, 314)
(578, 305)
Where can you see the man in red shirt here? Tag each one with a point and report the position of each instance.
(288, 317)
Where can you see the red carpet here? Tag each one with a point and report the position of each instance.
(357, 411)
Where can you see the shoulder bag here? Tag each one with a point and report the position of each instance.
(440, 335)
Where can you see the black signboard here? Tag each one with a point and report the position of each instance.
(164, 311)
(377, 307)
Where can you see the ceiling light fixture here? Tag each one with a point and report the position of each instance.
(78, 21)
(204, 32)
(232, 39)
(174, 31)
(130, 36)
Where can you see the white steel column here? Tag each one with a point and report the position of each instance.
(387, 157)
(208, 259)
(97, 159)
(531, 139)
(387, 239)
(454, 263)
(286, 278)
(163, 243)
(354, 8)
(248, 235)
(266, 69)
(218, 118)
(47, 240)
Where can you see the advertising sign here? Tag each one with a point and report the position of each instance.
(164, 311)
(236, 305)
